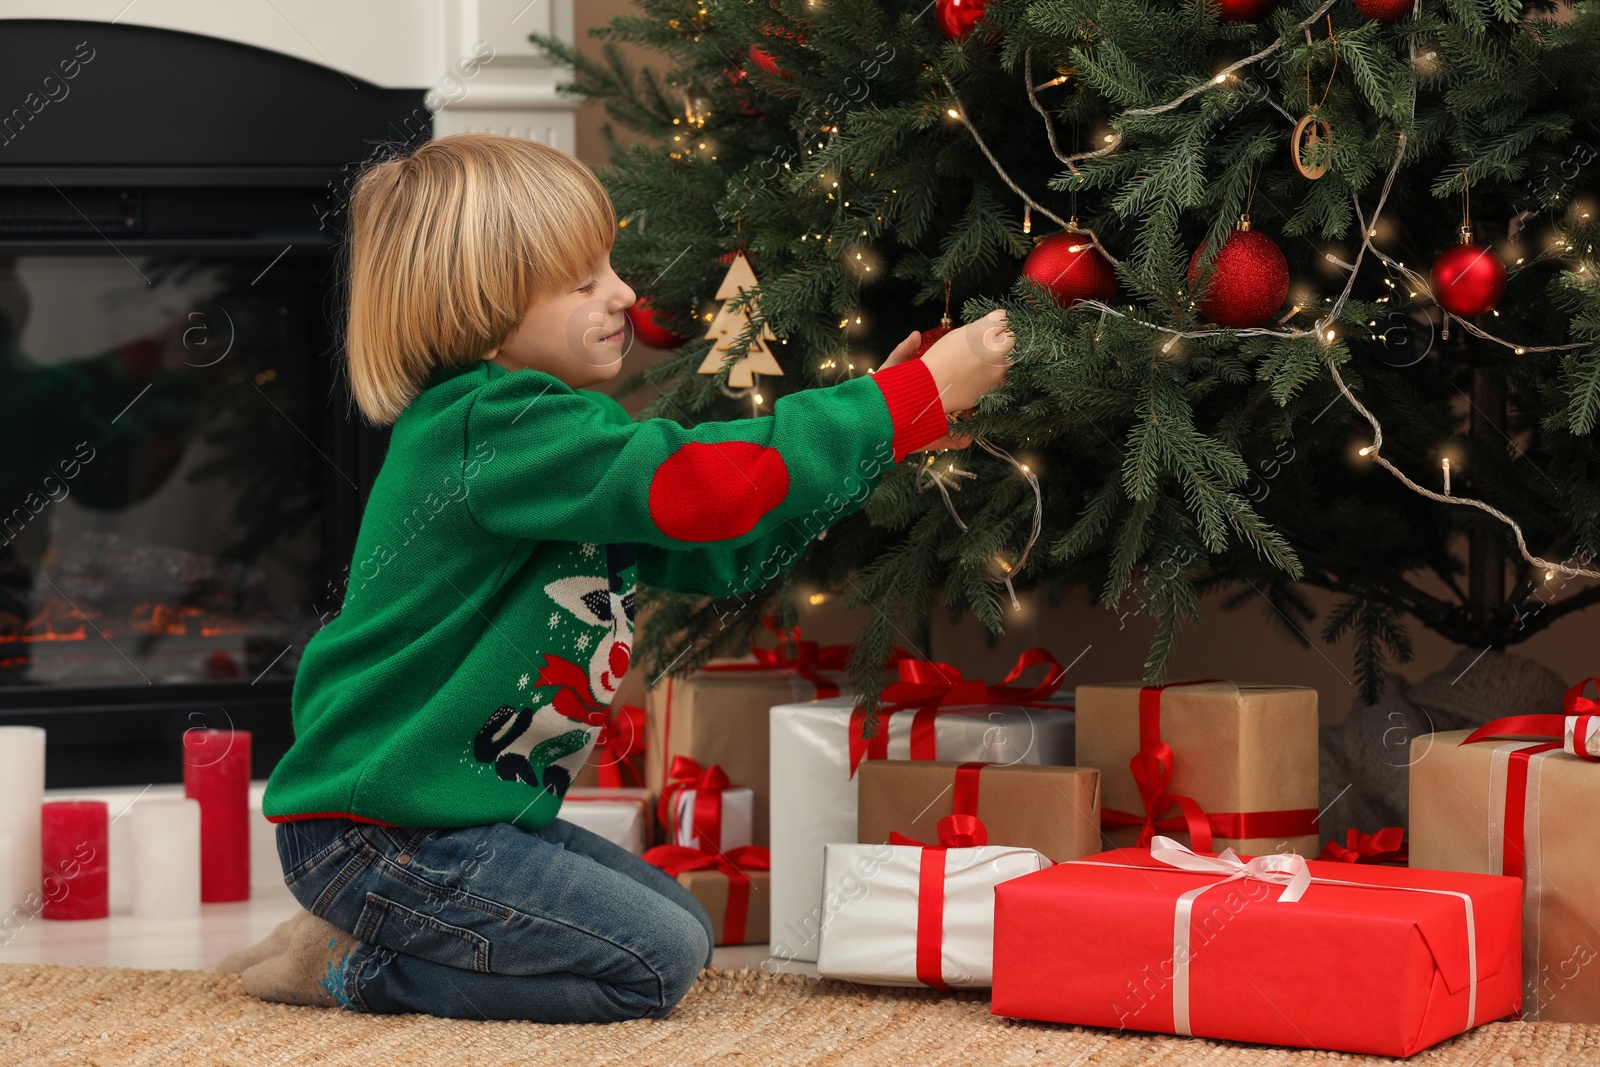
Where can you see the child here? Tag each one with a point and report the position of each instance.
(492, 591)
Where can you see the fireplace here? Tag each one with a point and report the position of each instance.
(183, 472)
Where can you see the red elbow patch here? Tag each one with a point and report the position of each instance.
(711, 491)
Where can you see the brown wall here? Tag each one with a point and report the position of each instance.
(1244, 644)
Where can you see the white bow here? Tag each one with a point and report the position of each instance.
(1287, 869)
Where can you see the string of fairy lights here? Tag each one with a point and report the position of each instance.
(1323, 329)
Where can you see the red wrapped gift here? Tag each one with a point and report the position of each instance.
(1276, 949)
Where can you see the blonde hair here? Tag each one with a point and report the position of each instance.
(447, 248)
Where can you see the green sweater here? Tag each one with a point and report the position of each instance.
(489, 607)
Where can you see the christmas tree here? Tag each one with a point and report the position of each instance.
(1305, 372)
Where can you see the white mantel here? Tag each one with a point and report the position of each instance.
(395, 44)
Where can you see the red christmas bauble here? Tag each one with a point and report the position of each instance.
(1249, 283)
(1468, 279)
(1245, 10)
(956, 17)
(648, 328)
(1384, 10)
(739, 86)
(929, 336)
(1072, 268)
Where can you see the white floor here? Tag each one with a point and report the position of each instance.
(198, 944)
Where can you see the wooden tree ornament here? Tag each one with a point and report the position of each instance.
(729, 324)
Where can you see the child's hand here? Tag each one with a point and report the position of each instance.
(969, 361)
(906, 350)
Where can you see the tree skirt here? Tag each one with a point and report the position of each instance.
(102, 1016)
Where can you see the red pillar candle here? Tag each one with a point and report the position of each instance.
(72, 836)
(216, 772)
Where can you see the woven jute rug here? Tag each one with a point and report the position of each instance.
(82, 1016)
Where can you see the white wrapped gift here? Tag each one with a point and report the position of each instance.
(737, 818)
(884, 932)
(813, 791)
(1581, 737)
(621, 816)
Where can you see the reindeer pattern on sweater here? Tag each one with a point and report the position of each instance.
(539, 745)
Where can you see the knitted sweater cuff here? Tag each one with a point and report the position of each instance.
(914, 406)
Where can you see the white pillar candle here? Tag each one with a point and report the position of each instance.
(11, 920)
(165, 843)
(21, 796)
(119, 846)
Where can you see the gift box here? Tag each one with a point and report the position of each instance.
(915, 915)
(1484, 804)
(1276, 949)
(1053, 810)
(701, 810)
(1211, 763)
(930, 713)
(718, 713)
(621, 816)
(733, 886)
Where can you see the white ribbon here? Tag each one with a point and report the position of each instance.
(1287, 869)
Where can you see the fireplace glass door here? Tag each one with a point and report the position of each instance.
(162, 495)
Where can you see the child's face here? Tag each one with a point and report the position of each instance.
(574, 334)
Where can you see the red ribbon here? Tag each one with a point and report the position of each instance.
(1574, 703)
(1152, 768)
(928, 686)
(965, 800)
(1386, 846)
(705, 821)
(955, 831)
(621, 737)
(676, 859)
(809, 658)
(1513, 845)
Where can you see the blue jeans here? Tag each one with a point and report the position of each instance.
(495, 922)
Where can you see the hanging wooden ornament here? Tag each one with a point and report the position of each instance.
(1312, 138)
(730, 323)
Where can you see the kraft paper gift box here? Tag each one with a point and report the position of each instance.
(621, 816)
(1245, 755)
(814, 780)
(1520, 808)
(914, 916)
(1367, 958)
(718, 715)
(733, 886)
(1053, 810)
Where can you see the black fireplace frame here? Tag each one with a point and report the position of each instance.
(171, 143)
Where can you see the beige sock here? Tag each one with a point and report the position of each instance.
(274, 944)
(311, 971)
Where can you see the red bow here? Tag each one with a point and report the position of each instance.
(1574, 703)
(955, 831)
(928, 685)
(1386, 846)
(574, 698)
(1152, 768)
(705, 822)
(808, 660)
(676, 859)
(621, 737)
